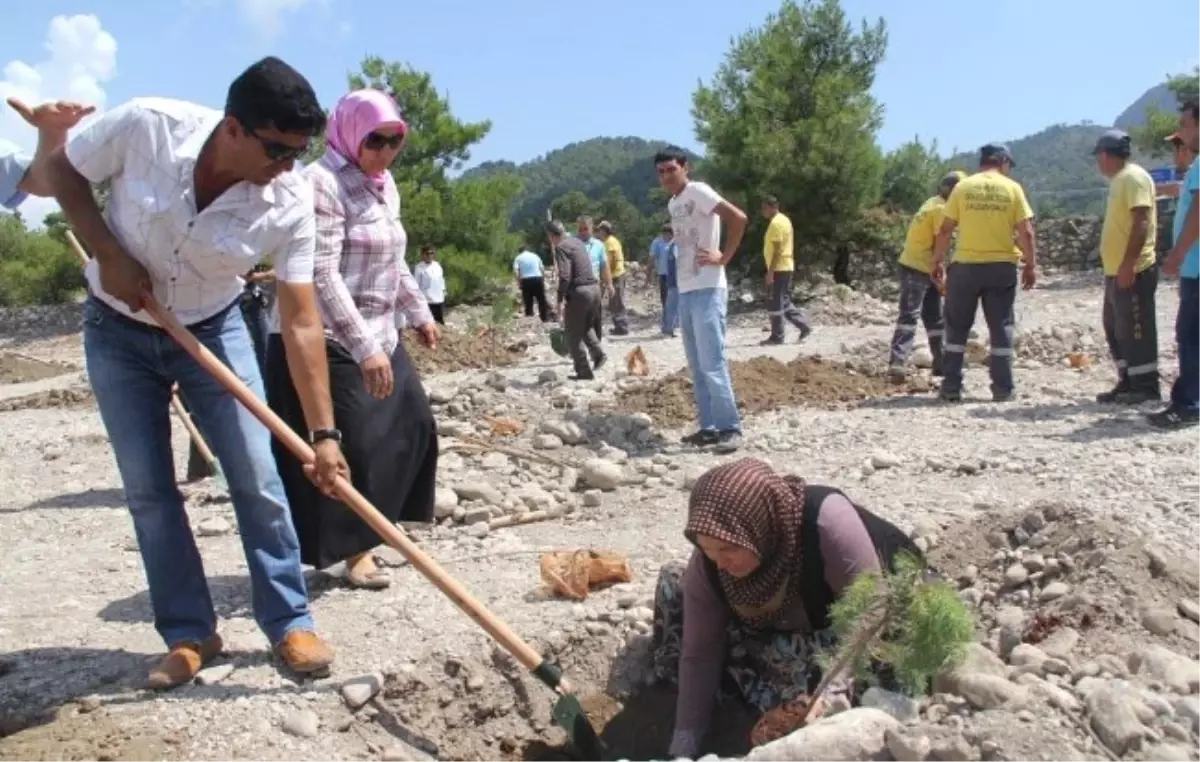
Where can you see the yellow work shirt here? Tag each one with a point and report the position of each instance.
(616, 256)
(779, 236)
(922, 233)
(987, 207)
(1127, 190)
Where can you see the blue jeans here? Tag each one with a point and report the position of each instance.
(255, 316)
(131, 367)
(702, 318)
(1185, 393)
(670, 316)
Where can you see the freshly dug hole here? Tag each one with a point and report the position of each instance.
(639, 728)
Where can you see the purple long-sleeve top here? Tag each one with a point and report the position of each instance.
(846, 550)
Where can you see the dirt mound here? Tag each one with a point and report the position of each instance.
(19, 369)
(73, 397)
(464, 351)
(763, 384)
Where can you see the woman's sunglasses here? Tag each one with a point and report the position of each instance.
(376, 141)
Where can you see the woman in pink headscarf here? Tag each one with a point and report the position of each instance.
(383, 416)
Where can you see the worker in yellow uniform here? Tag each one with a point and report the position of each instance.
(989, 209)
(778, 253)
(616, 266)
(919, 295)
(1127, 243)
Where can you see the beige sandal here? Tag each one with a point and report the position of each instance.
(377, 579)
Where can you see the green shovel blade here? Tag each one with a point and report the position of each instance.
(569, 715)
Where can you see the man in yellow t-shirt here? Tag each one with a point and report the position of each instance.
(919, 295)
(1127, 243)
(779, 254)
(616, 266)
(988, 209)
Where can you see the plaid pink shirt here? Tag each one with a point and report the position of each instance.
(361, 277)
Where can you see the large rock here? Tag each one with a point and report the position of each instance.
(568, 431)
(981, 679)
(481, 491)
(1116, 710)
(444, 502)
(1177, 672)
(602, 474)
(856, 734)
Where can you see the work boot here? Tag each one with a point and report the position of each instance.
(897, 376)
(183, 661)
(701, 438)
(1112, 395)
(727, 442)
(598, 361)
(304, 652)
(771, 341)
(1138, 396)
(947, 395)
(1173, 417)
(804, 334)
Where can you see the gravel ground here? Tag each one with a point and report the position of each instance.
(75, 630)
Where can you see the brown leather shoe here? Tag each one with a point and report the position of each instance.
(183, 661)
(304, 652)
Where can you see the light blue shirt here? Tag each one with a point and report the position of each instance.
(596, 253)
(527, 265)
(1187, 194)
(660, 249)
(12, 170)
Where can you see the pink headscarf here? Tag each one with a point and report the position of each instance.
(358, 114)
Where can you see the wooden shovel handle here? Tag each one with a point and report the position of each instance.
(197, 438)
(391, 534)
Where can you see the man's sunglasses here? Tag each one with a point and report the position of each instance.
(375, 141)
(277, 151)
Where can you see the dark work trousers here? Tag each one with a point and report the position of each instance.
(579, 322)
(1185, 393)
(662, 291)
(781, 307)
(598, 326)
(1131, 330)
(919, 299)
(438, 311)
(994, 284)
(616, 305)
(533, 290)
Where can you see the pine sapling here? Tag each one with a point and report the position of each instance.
(899, 619)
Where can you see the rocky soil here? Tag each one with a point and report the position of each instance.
(1069, 527)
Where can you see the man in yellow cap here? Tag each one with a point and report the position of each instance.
(919, 295)
(989, 209)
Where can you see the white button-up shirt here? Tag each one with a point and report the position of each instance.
(147, 149)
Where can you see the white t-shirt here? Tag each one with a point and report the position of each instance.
(696, 226)
(432, 281)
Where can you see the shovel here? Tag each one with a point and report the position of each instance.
(567, 712)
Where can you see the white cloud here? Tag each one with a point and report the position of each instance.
(81, 58)
(267, 15)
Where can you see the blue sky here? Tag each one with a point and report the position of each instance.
(549, 73)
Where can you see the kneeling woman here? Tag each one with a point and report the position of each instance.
(387, 428)
(749, 606)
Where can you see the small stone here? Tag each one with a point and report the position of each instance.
(88, 704)
(546, 442)
(548, 376)
(480, 530)
(882, 460)
(479, 491)
(591, 498)
(359, 690)
(1053, 591)
(476, 515)
(213, 526)
(302, 723)
(899, 706)
(1159, 621)
(1015, 575)
(444, 502)
(907, 748)
(954, 748)
(1190, 609)
(214, 674)
(602, 474)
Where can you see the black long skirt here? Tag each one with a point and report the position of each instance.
(390, 445)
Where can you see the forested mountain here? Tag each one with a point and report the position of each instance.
(591, 166)
(1158, 98)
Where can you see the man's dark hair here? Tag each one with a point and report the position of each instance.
(671, 153)
(555, 228)
(666, 228)
(272, 94)
(1193, 107)
(428, 249)
(770, 200)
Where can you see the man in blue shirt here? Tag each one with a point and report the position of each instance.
(599, 258)
(21, 176)
(1184, 261)
(530, 275)
(662, 260)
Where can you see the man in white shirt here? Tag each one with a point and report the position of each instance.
(531, 280)
(197, 198)
(697, 212)
(432, 282)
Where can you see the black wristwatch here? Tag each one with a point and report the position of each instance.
(320, 435)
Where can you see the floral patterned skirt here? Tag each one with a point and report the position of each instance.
(764, 668)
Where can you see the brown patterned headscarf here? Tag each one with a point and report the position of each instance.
(748, 504)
